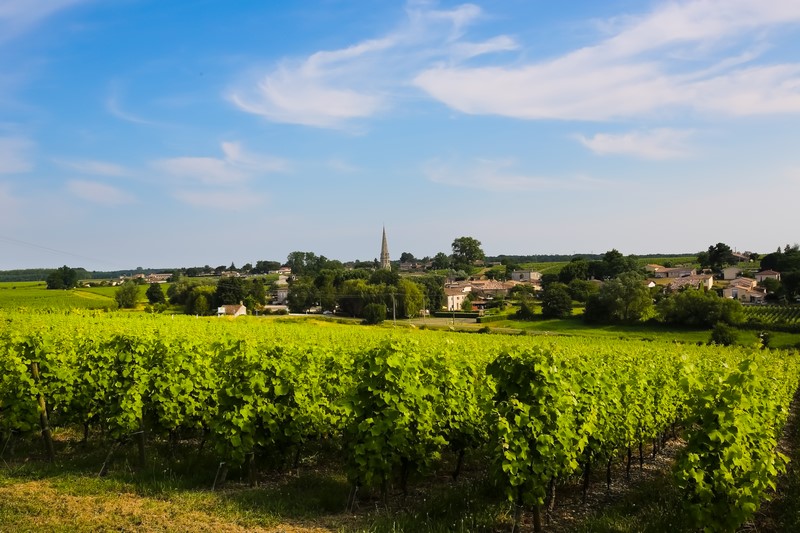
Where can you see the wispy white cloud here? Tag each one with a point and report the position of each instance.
(500, 175)
(114, 107)
(342, 166)
(224, 182)
(235, 167)
(683, 54)
(331, 87)
(15, 155)
(95, 168)
(99, 193)
(657, 144)
(20, 16)
(10, 205)
(220, 199)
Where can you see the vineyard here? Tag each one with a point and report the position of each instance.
(394, 403)
(773, 314)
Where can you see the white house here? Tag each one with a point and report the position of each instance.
(768, 274)
(231, 310)
(454, 298)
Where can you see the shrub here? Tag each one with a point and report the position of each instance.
(723, 334)
(374, 313)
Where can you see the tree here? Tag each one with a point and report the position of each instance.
(441, 261)
(433, 291)
(200, 300)
(62, 278)
(623, 299)
(578, 269)
(155, 294)
(614, 264)
(302, 295)
(699, 308)
(374, 313)
(717, 257)
(581, 290)
(407, 257)
(230, 291)
(409, 298)
(265, 267)
(127, 295)
(724, 335)
(527, 309)
(466, 250)
(556, 301)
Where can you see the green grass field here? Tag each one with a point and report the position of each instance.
(34, 295)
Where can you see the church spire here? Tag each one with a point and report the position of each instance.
(385, 264)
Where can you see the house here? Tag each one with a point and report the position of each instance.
(744, 290)
(653, 268)
(768, 274)
(230, 274)
(677, 272)
(158, 278)
(491, 289)
(284, 271)
(454, 298)
(280, 294)
(526, 276)
(231, 310)
(731, 272)
(701, 281)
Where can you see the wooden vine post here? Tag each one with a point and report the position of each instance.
(47, 436)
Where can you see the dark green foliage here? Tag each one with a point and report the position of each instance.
(577, 269)
(581, 290)
(374, 313)
(624, 299)
(230, 291)
(556, 301)
(127, 295)
(62, 278)
(433, 291)
(466, 250)
(717, 257)
(526, 309)
(699, 308)
(155, 294)
(723, 334)
(303, 294)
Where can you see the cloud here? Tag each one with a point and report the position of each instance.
(20, 16)
(342, 166)
(235, 167)
(15, 155)
(96, 168)
(657, 144)
(220, 182)
(329, 88)
(10, 206)
(99, 193)
(113, 106)
(500, 175)
(681, 55)
(220, 199)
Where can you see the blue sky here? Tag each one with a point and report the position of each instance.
(156, 134)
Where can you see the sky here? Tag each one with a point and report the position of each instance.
(144, 133)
